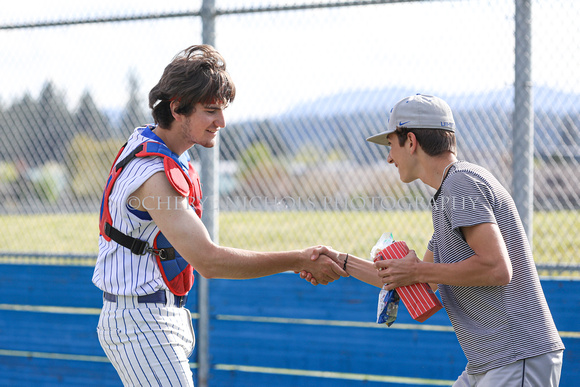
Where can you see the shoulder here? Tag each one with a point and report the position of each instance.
(136, 170)
(468, 185)
(157, 184)
(141, 168)
(467, 176)
(474, 186)
(134, 144)
(156, 192)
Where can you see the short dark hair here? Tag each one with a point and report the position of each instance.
(433, 141)
(195, 75)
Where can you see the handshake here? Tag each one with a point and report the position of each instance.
(393, 268)
(323, 266)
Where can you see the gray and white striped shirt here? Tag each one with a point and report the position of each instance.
(495, 325)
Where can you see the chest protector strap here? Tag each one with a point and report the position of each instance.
(176, 272)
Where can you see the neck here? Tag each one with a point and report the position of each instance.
(436, 168)
(166, 136)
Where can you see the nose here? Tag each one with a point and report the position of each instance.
(220, 120)
(390, 159)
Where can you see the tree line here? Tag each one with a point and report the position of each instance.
(37, 131)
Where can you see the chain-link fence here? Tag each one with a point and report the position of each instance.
(314, 79)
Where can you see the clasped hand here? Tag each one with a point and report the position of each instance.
(323, 266)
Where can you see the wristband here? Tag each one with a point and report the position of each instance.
(345, 261)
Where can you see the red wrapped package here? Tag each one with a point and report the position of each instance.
(419, 299)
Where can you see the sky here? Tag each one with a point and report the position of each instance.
(282, 60)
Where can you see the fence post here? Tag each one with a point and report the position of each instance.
(523, 118)
(209, 177)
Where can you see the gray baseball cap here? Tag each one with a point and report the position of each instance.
(417, 111)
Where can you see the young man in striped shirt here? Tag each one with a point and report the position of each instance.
(479, 257)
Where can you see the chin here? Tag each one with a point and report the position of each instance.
(406, 179)
(208, 144)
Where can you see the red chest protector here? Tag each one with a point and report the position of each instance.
(176, 272)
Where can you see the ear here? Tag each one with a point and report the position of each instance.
(412, 142)
(174, 105)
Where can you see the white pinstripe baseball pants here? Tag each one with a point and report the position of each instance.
(148, 344)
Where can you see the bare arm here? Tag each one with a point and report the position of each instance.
(186, 232)
(429, 258)
(489, 266)
(356, 267)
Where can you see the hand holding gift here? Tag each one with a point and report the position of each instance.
(388, 305)
(419, 299)
(398, 272)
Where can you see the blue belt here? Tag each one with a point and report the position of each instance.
(158, 297)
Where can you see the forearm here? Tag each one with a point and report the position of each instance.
(233, 263)
(210, 260)
(473, 271)
(428, 257)
(361, 269)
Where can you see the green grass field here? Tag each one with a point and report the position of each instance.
(556, 234)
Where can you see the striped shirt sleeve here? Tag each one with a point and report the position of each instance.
(469, 200)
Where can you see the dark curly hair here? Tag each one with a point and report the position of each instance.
(195, 75)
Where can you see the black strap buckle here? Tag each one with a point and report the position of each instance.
(164, 254)
(137, 246)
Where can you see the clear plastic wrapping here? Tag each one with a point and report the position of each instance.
(388, 305)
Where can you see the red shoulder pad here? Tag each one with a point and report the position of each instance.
(176, 176)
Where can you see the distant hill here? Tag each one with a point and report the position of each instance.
(484, 122)
(357, 101)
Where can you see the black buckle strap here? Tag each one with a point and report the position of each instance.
(164, 254)
(137, 246)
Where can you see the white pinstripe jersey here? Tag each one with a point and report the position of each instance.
(495, 325)
(117, 270)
